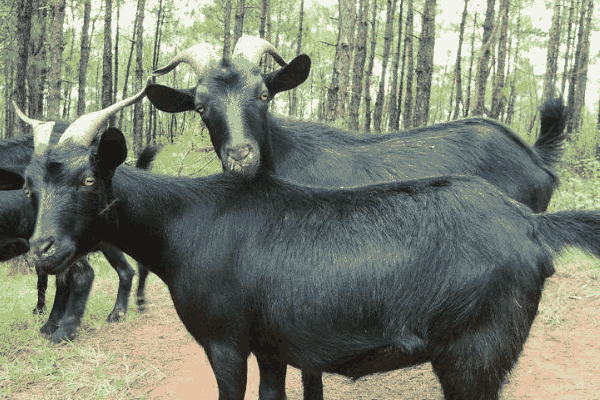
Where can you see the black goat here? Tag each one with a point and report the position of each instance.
(232, 98)
(445, 270)
(17, 219)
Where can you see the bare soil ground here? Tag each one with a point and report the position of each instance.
(561, 359)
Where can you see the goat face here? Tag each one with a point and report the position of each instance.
(69, 185)
(232, 97)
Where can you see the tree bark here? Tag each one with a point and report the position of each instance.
(84, 57)
(227, 29)
(36, 75)
(498, 96)
(568, 49)
(393, 123)
(408, 44)
(342, 56)
(24, 12)
(457, 69)
(424, 68)
(483, 69)
(57, 11)
(580, 73)
(511, 99)
(238, 28)
(470, 78)
(350, 27)
(294, 100)
(388, 39)
(552, 54)
(107, 60)
(359, 63)
(133, 42)
(138, 110)
(369, 70)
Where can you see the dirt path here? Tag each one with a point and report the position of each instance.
(560, 361)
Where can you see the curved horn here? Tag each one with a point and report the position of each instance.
(196, 56)
(253, 48)
(41, 130)
(85, 128)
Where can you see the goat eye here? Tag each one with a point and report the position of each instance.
(200, 109)
(264, 96)
(89, 181)
(26, 192)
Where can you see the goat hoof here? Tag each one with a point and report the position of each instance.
(116, 316)
(39, 310)
(48, 329)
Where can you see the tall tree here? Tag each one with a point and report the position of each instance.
(227, 28)
(388, 38)
(408, 44)
(424, 68)
(457, 69)
(483, 69)
(350, 15)
(359, 63)
(393, 123)
(581, 69)
(24, 13)
(498, 93)
(107, 60)
(57, 14)
(128, 69)
(470, 75)
(116, 65)
(138, 110)
(570, 22)
(369, 70)
(294, 94)
(238, 27)
(342, 56)
(37, 64)
(513, 94)
(84, 57)
(152, 123)
(552, 54)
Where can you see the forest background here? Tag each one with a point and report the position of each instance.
(378, 65)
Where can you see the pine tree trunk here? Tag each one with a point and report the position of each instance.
(424, 68)
(582, 69)
(342, 56)
(227, 29)
(388, 38)
(568, 49)
(457, 69)
(294, 101)
(37, 60)
(470, 78)
(552, 55)
(138, 110)
(347, 49)
(107, 60)
(511, 99)
(127, 70)
(498, 97)
(393, 104)
(483, 69)
(359, 63)
(9, 119)
(84, 57)
(369, 70)
(24, 12)
(408, 44)
(116, 66)
(238, 28)
(68, 83)
(57, 12)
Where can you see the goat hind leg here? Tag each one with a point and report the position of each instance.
(42, 285)
(126, 273)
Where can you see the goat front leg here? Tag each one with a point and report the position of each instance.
(42, 285)
(126, 273)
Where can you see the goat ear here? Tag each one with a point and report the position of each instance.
(10, 180)
(171, 100)
(289, 76)
(12, 247)
(112, 149)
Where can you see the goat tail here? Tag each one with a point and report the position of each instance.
(146, 157)
(553, 120)
(572, 228)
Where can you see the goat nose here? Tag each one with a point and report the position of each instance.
(45, 248)
(239, 152)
